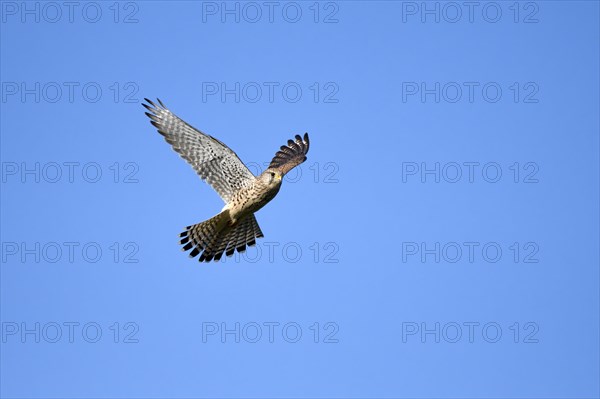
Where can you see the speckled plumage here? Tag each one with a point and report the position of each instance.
(243, 193)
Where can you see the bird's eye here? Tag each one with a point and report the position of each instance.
(272, 174)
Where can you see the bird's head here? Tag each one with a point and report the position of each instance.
(272, 178)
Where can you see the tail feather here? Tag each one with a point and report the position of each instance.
(215, 236)
(236, 237)
(257, 233)
(240, 235)
(199, 236)
(225, 240)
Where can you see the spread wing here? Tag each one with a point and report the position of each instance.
(214, 162)
(292, 155)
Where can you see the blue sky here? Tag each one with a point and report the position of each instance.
(441, 240)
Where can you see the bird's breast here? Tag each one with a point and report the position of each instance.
(251, 199)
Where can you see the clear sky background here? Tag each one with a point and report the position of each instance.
(441, 240)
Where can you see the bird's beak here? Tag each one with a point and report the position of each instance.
(279, 176)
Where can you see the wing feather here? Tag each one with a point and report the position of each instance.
(212, 160)
(292, 155)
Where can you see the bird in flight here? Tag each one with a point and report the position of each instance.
(235, 227)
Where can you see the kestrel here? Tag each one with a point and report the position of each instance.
(235, 227)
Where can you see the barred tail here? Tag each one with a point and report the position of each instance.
(215, 236)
